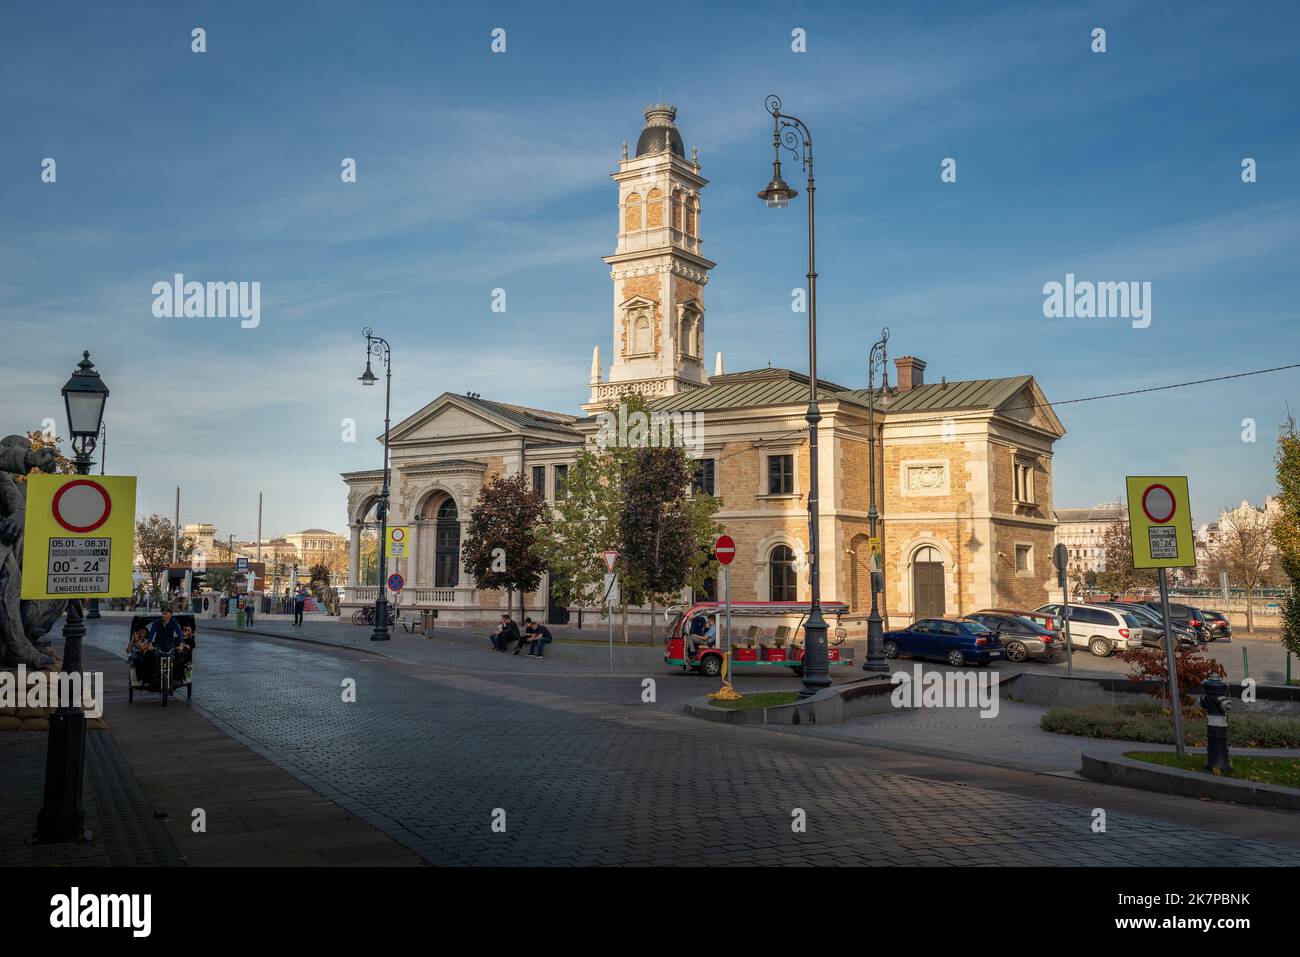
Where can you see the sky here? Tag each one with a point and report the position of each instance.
(479, 170)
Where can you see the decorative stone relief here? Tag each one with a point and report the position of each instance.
(925, 477)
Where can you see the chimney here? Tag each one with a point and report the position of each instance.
(911, 373)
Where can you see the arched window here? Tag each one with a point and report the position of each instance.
(446, 556)
(693, 226)
(654, 209)
(679, 202)
(632, 213)
(782, 575)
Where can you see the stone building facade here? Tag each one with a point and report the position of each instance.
(964, 468)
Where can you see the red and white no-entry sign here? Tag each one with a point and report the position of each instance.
(1158, 503)
(82, 506)
(725, 549)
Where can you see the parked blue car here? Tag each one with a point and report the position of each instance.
(956, 642)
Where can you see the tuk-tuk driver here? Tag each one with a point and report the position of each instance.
(698, 641)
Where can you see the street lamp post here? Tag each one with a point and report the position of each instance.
(62, 816)
(377, 346)
(876, 660)
(793, 134)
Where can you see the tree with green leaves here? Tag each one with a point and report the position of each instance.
(633, 498)
(585, 523)
(500, 548)
(665, 531)
(1286, 529)
(153, 542)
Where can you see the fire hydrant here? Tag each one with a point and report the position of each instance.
(1216, 703)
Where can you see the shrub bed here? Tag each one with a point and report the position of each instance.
(1150, 721)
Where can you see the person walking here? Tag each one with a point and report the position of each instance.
(299, 605)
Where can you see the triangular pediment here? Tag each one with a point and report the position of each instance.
(445, 417)
(1030, 406)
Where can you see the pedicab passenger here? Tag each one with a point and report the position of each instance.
(137, 650)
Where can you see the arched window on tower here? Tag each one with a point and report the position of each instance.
(693, 227)
(679, 205)
(782, 575)
(632, 213)
(654, 209)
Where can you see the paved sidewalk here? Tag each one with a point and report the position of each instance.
(256, 814)
(123, 829)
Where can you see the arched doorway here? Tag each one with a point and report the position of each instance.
(860, 575)
(927, 583)
(446, 557)
(368, 552)
(440, 541)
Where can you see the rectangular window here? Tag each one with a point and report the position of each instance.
(702, 484)
(1024, 558)
(561, 476)
(539, 480)
(1024, 482)
(780, 475)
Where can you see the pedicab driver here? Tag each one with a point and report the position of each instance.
(165, 635)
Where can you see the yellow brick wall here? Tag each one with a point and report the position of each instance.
(1021, 591)
(959, 475)
(644, 286)
(632, 213)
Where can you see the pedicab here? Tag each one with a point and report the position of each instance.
(749, 644)
(172, 675)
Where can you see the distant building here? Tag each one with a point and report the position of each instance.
(1083, 532)
(320, 546)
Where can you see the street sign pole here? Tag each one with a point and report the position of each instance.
(1175, 703)
(727, 593)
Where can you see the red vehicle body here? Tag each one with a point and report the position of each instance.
(709, 660)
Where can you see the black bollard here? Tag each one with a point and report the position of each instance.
(1216, 703)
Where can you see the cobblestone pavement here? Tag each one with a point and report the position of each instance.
(433, 756)
(124, 831)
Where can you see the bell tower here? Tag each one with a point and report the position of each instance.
(657, 270)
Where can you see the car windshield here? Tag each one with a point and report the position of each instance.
(1131, 620)
(975, 628)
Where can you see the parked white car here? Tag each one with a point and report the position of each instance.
(1103, 631)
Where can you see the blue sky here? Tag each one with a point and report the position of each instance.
(479, 170)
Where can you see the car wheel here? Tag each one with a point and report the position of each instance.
(956, 658)
(891, 649)
(1100, 647)
(711, 666)
(1016, 651)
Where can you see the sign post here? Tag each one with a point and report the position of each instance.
(398, 537)
(1160, 523)
(78, 536)
(611, 597)
(724, 549)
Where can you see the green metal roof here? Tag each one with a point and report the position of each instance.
(936, 396)
(746, 390)
(526, 418)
